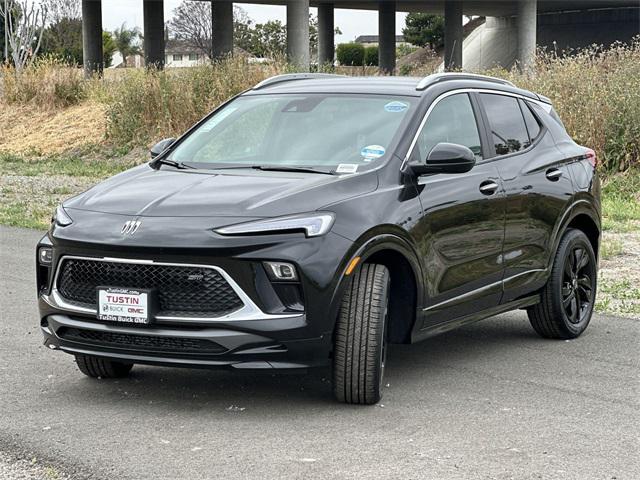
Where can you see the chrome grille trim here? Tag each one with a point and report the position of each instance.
(249, 310)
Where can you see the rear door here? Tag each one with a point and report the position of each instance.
(537, 186)
(461, 231)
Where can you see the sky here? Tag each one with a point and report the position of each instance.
(351, 22)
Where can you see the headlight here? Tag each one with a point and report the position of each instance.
(313, 225)
(61, 217)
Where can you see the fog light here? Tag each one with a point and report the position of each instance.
(45, 255)
(281, 272)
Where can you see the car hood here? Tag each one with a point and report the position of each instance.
(146, 192)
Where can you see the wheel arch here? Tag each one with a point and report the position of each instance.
(583, 216)
(397, 254)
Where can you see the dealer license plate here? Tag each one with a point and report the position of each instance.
(122, 305)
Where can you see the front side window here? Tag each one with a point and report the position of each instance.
(310, 130)
(452, 121)
(508, 129)
(177, 58)
(193, 56)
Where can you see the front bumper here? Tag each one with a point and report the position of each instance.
(148, 345)
(264, 336)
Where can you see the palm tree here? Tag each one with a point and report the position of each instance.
(126, 41)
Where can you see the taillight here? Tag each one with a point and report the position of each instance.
(591, 156)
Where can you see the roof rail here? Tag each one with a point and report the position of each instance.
(288, 77)
(441, 77)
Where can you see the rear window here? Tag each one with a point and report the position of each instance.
(508, 129)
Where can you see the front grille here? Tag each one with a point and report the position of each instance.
(140, 342)
(183, 291)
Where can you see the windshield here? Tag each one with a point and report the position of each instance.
(329, 132)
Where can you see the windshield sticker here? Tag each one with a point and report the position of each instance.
(347, 168)
(396, 107)
(371, 152)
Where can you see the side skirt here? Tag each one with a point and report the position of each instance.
(474, 317)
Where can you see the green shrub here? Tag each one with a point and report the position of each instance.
(371, 56)
(351, 54)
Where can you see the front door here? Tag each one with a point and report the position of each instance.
(461, 233)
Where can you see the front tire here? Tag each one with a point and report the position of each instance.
(569, 295)
(96, 367)
(360, 339)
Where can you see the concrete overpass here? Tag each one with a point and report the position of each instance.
(522, 14)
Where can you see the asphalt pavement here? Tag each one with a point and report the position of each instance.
(488, 401)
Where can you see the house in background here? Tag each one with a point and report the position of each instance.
(179, 54)
(373, 40)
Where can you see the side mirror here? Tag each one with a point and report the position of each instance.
(161, 146)
(447, 158)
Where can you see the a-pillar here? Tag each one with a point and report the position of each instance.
(453, 35)
(298, 33)
(387, 36)
(153, 30)
(222, 29)
(527, 22)
(326, 32)
(92, 37)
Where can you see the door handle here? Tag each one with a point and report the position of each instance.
(488, 187)
(554, 174)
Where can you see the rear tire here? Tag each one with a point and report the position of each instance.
(569, 295)
(96, 367)
(360, 339)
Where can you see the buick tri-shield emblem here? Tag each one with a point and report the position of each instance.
(130, 227)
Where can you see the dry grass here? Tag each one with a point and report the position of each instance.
(597, 94)
(45, 131)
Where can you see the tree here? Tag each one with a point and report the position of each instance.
(63, 9)
(126, 41)
(63, 39)
(4, 45)
(191, 24)
(108, 48)
(266, 39)
(424, 29)
(24, 26)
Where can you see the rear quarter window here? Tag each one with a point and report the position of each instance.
(508, 129)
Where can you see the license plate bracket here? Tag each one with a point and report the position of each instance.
(129, 306)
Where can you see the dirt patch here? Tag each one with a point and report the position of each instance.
(619, 281)
(27, 129)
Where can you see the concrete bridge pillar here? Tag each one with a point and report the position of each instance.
(222, 28)
(387, 36)
(153, 31)
(298, 33)
(92, 37)
(326, 34)
(526, 27)
(453, 35)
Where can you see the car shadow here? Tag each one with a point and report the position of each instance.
(408, 366)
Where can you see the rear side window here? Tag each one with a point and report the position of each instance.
(452, 120)
(508, 129)
(533, 126)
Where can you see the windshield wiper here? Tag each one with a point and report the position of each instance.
(172, 163)
(276, 168)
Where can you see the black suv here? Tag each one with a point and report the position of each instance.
(314, 219)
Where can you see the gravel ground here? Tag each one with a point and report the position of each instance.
(14, 469)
